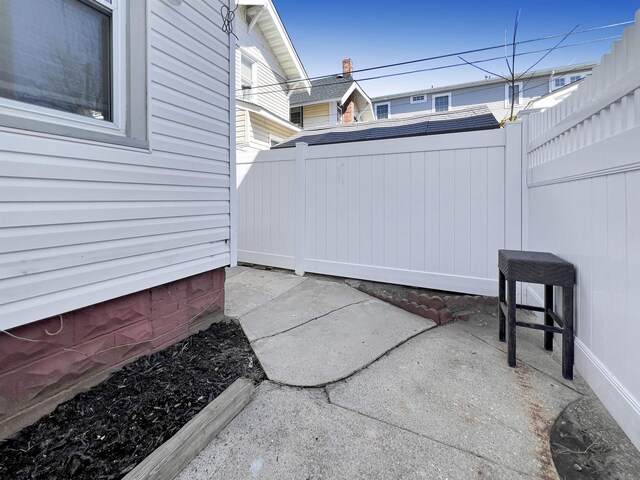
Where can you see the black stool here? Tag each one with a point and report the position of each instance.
(545, 268)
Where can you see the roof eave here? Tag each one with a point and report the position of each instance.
(299, 73)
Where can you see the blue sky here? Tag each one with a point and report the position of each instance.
(373, 33)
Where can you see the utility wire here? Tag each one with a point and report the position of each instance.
(454, 54)
(429, 69)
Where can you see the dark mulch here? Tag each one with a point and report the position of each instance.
(105, 432)
(587, 444)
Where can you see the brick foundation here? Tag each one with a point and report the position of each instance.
(36, 376)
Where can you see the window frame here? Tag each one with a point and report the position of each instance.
(440, 95)
(301, 124)
(129, 124)
(507, 97)
(376, 105)
(254, 78)
(412, 101)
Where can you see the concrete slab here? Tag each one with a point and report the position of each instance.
(233, 271)
(457, 389)
(311, 299)
(335, 346)
(529, 345)
(288, 433)
(251, 288)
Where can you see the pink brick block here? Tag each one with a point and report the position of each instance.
(445, 316)
(200, 284)
(219, 277)
(132, 341)
(435, 302)
(211, 301)
(47, 374)
(414, 296)
(169, 338)
(15, 353)
(163, 309)
(170, 293)
(110, 316)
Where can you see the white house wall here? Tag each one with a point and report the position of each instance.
(85, 222)
(269, 71)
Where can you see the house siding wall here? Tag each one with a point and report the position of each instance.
(262, 130)
(269, 71)
(316, 115)
(118, 250)
(85, 222)
(491, 95)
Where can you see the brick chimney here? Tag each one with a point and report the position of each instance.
(347, 65)
(348, 106)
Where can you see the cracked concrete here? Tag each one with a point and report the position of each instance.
(401, 399)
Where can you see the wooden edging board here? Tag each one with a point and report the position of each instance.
(168, 460)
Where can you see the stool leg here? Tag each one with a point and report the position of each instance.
(501, 300)
(548, 321)
(511, 319)
(567, 335)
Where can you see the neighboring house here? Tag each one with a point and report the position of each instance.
(268, 72)
(332, 101)
(552, 98)
(462, 120)
(493, 92)
(117, 220)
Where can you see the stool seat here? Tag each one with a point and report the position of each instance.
(549, 270)
(536, 267)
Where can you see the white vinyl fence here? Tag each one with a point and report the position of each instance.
(582, 160)
(424, 211)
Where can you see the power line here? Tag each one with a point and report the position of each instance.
(441, 67)
(447, 55)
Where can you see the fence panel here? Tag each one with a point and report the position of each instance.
(420, 211)
(582, 202)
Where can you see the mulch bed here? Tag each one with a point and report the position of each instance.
(105, 432)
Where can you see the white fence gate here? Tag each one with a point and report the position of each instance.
(583, 203)
(423, 211)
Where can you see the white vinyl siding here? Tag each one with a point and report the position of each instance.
(262, 130)
(267, 70)
(84, 222)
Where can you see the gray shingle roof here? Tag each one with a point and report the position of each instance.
(467, 119)
(327, 88)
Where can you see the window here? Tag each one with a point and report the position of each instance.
(574, 78)
(558, 82)
(418, 99)
(442, 103)
(71, 68)
(247, 78)
(510, 94)
(382, 110)
(295, 116)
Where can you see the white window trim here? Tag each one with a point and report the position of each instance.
(567, 79)
(438, 95)
(24, 112)
(507, 100)
(412, 101)
(375, 109)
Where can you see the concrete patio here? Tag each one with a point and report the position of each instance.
(361, 389)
